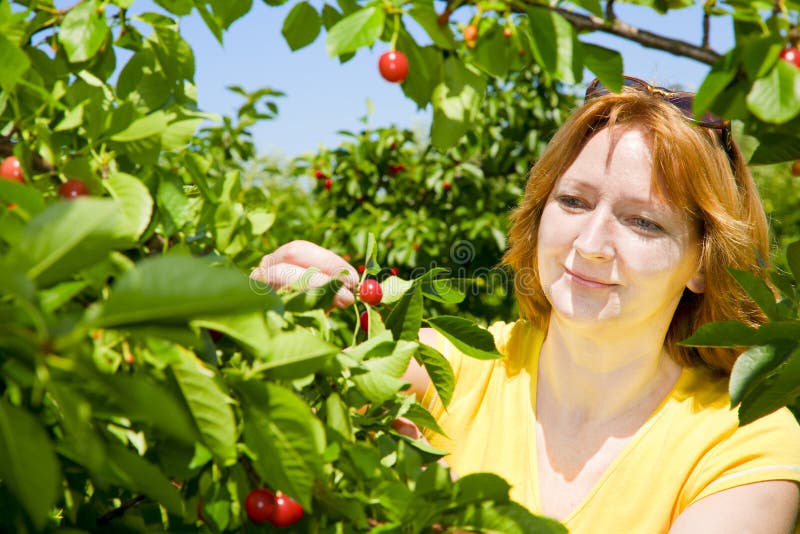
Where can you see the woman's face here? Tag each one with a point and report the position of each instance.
(609, 249)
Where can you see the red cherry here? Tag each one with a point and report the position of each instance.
(370, 292)
(393, 271)
(363, 321)
(471, 33)
(73, 188)
(10, 169)
(508, 32)
(328, 184)
(396, 169)
(361, 269)
(791, 56)
(393, 66)
(319, 174)
(446, 186)
(287, 511)
(795, 171)
(260, 505)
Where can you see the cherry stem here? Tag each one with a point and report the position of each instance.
(396, 33)
(118, 511)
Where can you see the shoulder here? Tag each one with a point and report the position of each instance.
(729, 455)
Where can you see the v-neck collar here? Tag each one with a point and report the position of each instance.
(618, 461)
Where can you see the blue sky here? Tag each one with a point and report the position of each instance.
(324, 96)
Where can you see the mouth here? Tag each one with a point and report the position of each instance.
(587, 281)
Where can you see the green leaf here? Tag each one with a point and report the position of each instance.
(314, 298)
(28, 464)
(15, 63)
(493, 54)
(147, 126)
(760, 55)
(722, 73)
(553, 43)
(477, 487)
(439, 370)
(751, 366)
(455, 101)
(68, 237)
(721, 334)
(83, 31)
(759, 291)
(174, 289)
(775, 98)
(507, 517)
(142, 476)
(180, 8)
(606, 64)
(249, 329)
(466, 336)
(425, 15)
(337, 417)
(775, 148)
(135, 200)
(406, 317)
(285, 436)
(27, 198)
(381, 381)
(295, 354)
(394, 288)
(178, 134)
(446, 290)
(424, 70)
(357, 30)
(793, 259)
(53, 298)
(422, 417)
(210, 406)
(301, 26)
(778, 388)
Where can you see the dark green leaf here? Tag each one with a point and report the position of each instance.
(175, 289)
(426, 16)
(479, 487)
(759, 291)
(142, 476)
(509, 518)
(775, 148)
(721, 334)
(466, 336)
(406, 317)
(176, 7)
(446, 290)
(439, 371)
(285, 436)
(722, 73)
(778, 388)
(751, 366)
(210, 406)
(301, 26)
(28, 463)
(295, 354)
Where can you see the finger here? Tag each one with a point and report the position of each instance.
(284, 275)
(407, 428)
(307, 254)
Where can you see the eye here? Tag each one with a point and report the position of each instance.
(646, 225)
(571, 202)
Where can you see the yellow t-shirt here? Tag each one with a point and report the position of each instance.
(690, 447)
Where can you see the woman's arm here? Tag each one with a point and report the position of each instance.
(768, 507)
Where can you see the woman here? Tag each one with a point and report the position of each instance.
(596, 416)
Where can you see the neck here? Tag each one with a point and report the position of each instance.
(599, 375)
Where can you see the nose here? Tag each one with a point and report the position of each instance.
(595, 236)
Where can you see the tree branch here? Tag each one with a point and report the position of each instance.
(580, 22)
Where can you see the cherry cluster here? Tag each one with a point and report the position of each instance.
(279, 509)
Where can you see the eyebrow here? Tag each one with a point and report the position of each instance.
(581, 184)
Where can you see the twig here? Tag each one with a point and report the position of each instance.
(706, 29)
(610, 15)
(118, 511)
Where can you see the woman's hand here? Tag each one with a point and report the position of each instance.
(288, 263)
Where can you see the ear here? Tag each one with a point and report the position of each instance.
(697, 283)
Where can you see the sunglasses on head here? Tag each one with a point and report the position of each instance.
(680, 99)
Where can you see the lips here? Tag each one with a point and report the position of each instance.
(587, 280)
